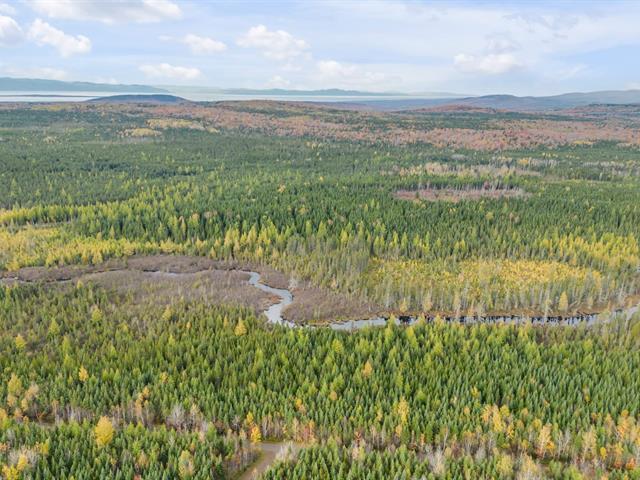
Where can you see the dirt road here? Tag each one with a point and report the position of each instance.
(268, 455)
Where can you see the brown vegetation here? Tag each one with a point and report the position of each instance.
(439, 169)
(399, 128)
(456, 195)
(317, 306)
(166, 279)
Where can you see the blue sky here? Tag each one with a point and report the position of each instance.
(522, 47)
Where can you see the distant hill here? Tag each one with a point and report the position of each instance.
(156, 99)
(487, 103)
(554, 102)
(353, 99)
(8, 84)
(496, 102)
(282, 92)
(611, 97)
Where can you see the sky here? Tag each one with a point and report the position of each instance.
(518, 47)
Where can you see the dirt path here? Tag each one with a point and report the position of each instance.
(268, 454)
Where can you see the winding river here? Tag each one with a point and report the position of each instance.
(285, 296)
(274, 314)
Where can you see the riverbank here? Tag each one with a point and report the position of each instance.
(169, 278)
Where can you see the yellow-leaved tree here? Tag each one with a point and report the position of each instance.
(20, 342)
(367, 370)
(240, 329)
(104, 432)
(402, 409)
(563, 302)
(185, 464)
(255, 436)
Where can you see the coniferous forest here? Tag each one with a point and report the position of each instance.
(497, 253)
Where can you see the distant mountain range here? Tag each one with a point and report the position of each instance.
(8, 84)
(282, 92)
(505, 102)
(33, 85)
(279, 92)
(567, 100)
(387, 101)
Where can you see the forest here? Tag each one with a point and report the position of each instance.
(438, 216)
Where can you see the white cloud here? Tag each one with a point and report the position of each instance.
(8, 9)
(10, 31)
(278, 82)
(333, 69)
(44, 34)
(36, 72)
(491, 64)
(203, 45)
(339, 74)
(108, 11)
(277, 45)
(165, 70)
